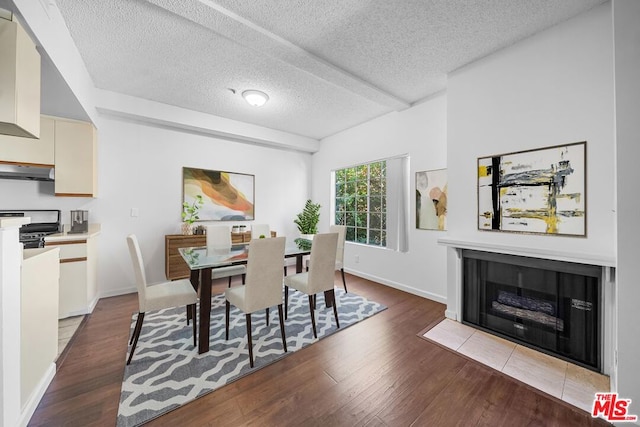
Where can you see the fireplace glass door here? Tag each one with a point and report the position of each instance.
(548, 305)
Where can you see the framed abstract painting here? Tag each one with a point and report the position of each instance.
(431, 200)
(226, 196)
(540, 191)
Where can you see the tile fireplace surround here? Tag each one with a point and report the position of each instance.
(605, 263)
(566, 381)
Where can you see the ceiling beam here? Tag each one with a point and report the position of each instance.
(168, 116)
(224, 22)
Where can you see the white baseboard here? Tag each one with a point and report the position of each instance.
(118, 292)
(30, 406)
(429, 295)
(450, 314)
(93, 303)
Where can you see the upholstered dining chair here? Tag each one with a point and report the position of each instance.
(342, 236)
(219, 240)
(157, 296)
(258, 230)
(263, 287)
(320, 276)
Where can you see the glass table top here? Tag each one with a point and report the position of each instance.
(199, 257)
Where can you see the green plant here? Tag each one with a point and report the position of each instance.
(190, 211)
(303, 244)
(307, 220)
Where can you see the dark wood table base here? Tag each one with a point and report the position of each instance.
(199, 279)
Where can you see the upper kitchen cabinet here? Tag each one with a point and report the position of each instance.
(75, 158)
(19, 80)
(29, 151)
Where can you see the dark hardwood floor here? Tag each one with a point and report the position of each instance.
(375, 373)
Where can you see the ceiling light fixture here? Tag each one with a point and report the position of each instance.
(255, 97)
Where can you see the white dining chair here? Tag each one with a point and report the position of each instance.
(342, 236)
(258, 230)
(219, 240)
(157, 296)
(263, 287)
(320, 276)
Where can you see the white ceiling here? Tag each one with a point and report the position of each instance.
(327, 65)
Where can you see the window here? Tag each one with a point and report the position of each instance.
(372, 200)
(361, 202)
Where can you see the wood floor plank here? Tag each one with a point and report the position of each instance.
(436, 371)
(375, 373)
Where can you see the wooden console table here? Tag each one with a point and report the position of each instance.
(174, 265)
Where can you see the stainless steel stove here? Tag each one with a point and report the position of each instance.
(43, 223)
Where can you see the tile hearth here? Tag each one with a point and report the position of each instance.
(563, 380)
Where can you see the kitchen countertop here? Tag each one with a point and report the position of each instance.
(94, 230)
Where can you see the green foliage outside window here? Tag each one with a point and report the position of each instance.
(361, 202)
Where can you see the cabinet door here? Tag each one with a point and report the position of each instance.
(75, 159)
(175, 267)
(39, 319)
(30, 151)
(19, 82)
(73, 289)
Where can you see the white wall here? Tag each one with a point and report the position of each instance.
(627, 63)
(420, 132)
(553, 88)
(140, 166)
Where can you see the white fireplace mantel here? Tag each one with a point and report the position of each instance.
(603, 260)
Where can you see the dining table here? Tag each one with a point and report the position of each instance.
(202, 260)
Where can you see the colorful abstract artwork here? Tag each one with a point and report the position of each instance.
(431, 200)
(536, 191)
(227, 196)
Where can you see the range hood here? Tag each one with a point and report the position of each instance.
(32, 173)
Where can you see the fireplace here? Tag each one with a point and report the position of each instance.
(551, 306)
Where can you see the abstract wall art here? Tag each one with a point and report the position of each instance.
(227, 196)
(536, 191)
(431, 200)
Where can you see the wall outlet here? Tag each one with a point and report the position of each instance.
(356, 259)
(134, 212)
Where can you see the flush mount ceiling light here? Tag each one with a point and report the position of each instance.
(255, 97)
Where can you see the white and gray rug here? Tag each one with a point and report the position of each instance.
(167, 371)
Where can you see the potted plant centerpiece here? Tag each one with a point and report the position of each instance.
(190, 214)
(307, 221)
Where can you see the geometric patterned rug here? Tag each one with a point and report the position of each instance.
(167, 372)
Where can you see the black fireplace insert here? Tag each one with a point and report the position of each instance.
(552, 306)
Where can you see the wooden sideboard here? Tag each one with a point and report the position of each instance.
(174, 265)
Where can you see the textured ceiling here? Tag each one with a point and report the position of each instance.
(327, 65)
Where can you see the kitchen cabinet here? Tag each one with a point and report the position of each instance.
(29, 151)
(19, 81)
(70, 146)
(38, 320)
(78, 271)
(75, 158)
